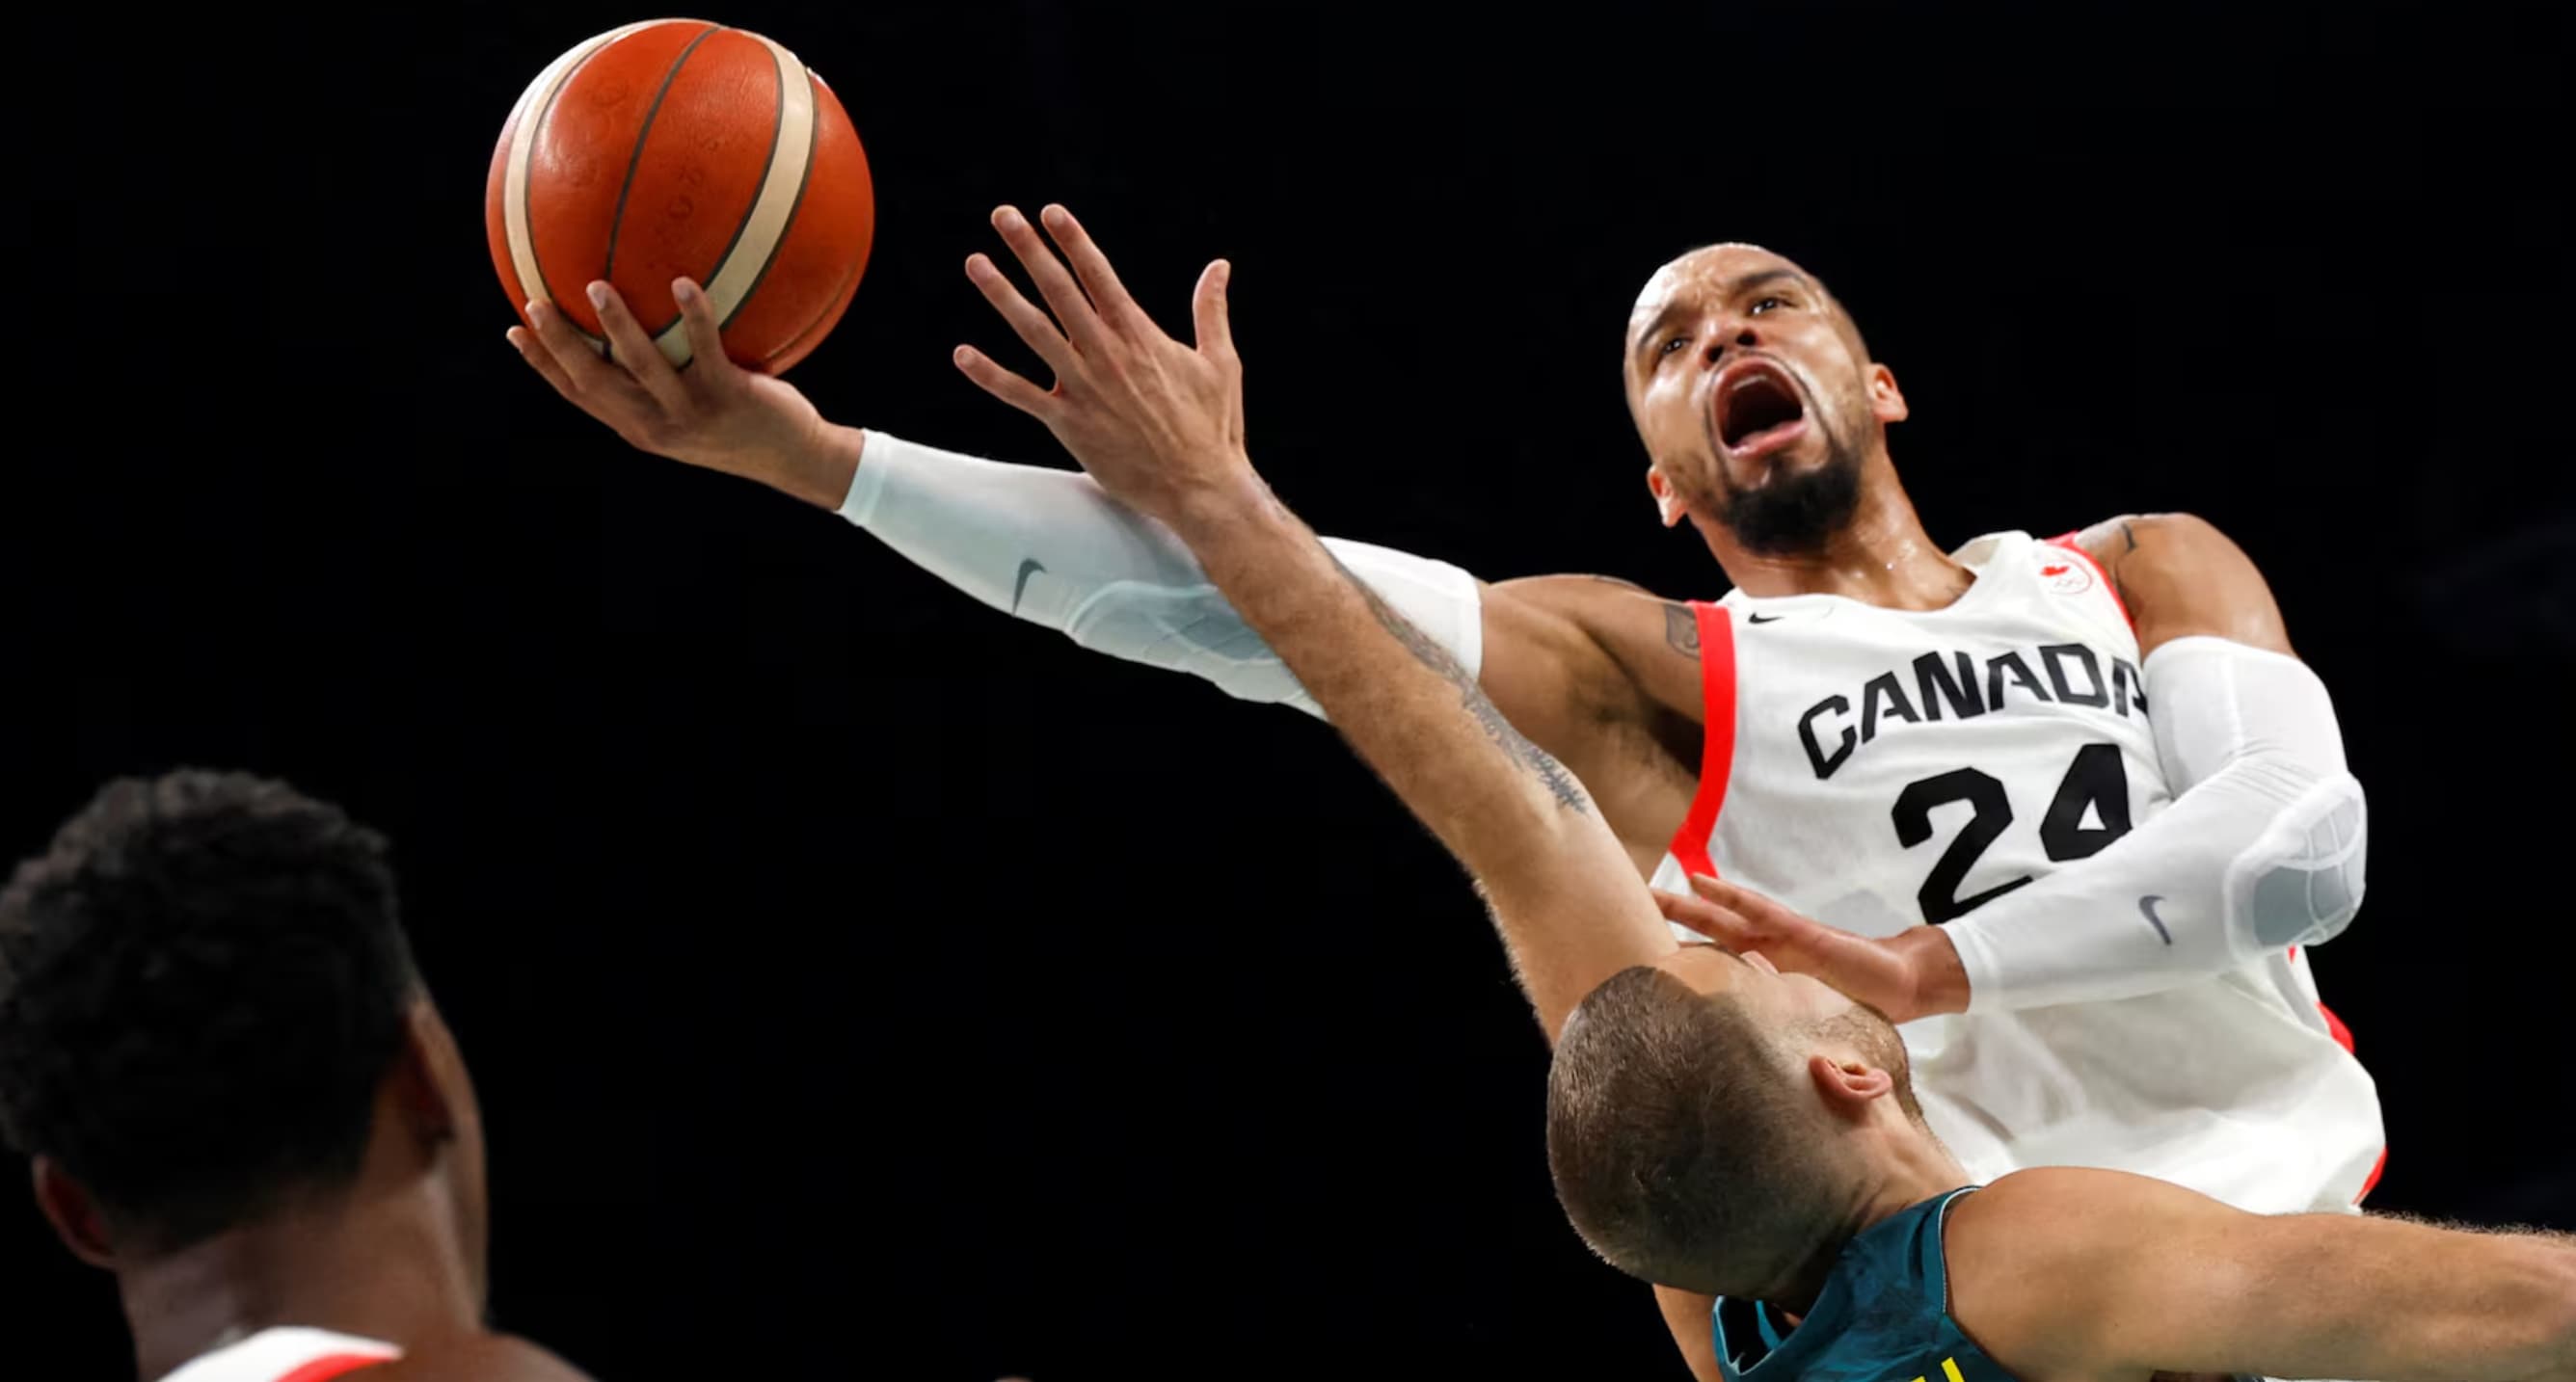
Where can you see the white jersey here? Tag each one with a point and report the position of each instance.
(1879, 768)
(286, 1355)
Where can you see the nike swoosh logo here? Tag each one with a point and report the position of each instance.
(1764, 618)
(2147, 905)
(1020, 587)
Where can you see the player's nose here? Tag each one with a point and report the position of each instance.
(1730, 335)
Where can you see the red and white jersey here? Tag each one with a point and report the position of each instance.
(287, 1354)
(1879, 768)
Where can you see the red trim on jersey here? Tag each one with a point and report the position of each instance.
(1717, 751)
(2335, 1028)
(2067, 541)
(332, 1365)
(2343, 1038)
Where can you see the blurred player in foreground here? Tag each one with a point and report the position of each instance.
(238, 1095)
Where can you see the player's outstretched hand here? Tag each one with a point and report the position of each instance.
(714, 413)
(1903, 977)
(1159, 424)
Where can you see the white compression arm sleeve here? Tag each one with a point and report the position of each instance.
(2261, 849)
(1049, 547)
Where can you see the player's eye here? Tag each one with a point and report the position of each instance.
(1766, 304)
(1673, 345)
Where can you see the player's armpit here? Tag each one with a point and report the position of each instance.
(1546, 665)
(1591, 669)
(2077, 1273)
(2178, 576)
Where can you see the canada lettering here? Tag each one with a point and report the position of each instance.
(1954, 685)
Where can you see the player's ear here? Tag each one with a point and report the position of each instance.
(1849, 1086)
(74, 1215)
(427, 1081)
(1668, 501)
(1886, 401)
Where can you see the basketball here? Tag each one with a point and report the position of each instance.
(672, 149)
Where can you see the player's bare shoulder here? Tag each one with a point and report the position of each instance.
(2019, 1252)
(2144, 541)
(2178, 576)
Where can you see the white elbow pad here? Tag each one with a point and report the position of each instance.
(2301, 883)
(1191, 628)
(2259, 725)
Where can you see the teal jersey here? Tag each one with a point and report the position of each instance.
(1884, 1316)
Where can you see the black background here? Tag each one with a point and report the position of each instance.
(862, 983)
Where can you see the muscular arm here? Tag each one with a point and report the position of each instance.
(2097, 1274)
(2263, 844)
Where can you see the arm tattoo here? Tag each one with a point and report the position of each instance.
(2117, 585)
(1681, 629)
(1529, 757)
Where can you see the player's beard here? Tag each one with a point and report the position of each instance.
(1795, 515)
(1868, 1030)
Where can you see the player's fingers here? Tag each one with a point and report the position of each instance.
(1004, 385)
(1062, 294)
(1208, 309)
(1030, 324)
(1108, 295)
(1707, 918)
(1676, 907)
(1725, 928)
(1743, 901)
(635, 352)
(524, 341)
(708, 363)
(601, 389)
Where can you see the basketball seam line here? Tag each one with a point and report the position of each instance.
(636, 159)
(768, 165)
(829, 303)
(528, 189)
(804, 183)
(857, 261)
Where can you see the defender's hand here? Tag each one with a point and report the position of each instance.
(1913, 974)
(1157, 423)
(714, 413)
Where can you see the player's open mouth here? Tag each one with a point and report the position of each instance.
(1759, 409)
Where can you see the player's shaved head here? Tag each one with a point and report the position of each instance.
(1683, 1143)
(1741, 265)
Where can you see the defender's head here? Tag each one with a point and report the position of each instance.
(208, 1015)
(1711, 1122)
(1756, 398)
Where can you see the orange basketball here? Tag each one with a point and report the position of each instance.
(673, 149)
